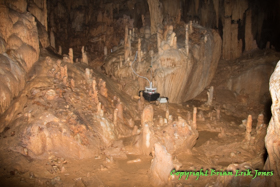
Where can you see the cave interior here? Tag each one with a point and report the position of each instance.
(73, 83)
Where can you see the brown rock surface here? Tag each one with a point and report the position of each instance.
(161, 166)
(20, 40)
(155, 7)
(272, 138)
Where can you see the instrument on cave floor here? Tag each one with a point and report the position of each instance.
(150, 93)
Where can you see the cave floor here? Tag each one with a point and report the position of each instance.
(101, 172)
(220, 143)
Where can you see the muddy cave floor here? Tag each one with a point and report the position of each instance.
(213, 149)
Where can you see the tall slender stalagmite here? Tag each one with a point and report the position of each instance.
(139, 50)
(187, 40)
(248, 128)
(71, 55)
(126, 45)
(194, 117)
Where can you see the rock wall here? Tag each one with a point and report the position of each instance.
(93, 24)
(20, 50)
(179, 71)
(272, 139)
(181, 77)
(38, 8)
(243, 25)
(156, 17)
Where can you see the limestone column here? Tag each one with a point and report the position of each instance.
(155, 8)
(248, 31)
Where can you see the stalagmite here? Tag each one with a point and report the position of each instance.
(147, 115)
(139, 50)
(93, 84)
(115, 116)
(58, 62)
(66, 71)
(260, 121)
(100, 82)
(248, 128)
(170, 119)
(126, 44)
(140, 105)
(129, 47)
(88, 74)
(151, 53)
(72, 83)
(52, 39)
(187, 40)
(59, 50)
(119, 106)
(105, 51)
(200, 116)
(131, 123)
(161, 166)
(71, 55)
(167, 113)
(146, 139)
(211, 116)
(120, 61)
(194, 117)
(95, 96)
(103, 89)
(178, 18)
(210, 96)
(133, 35)
(191, 27)
(99, 108)
(188, 117)
(158, 41)
(84, 56)
(143, 20)
(65, 81)
(222, 134)
(175, 43)
(61, 72)
(218, 113)
(160, 121)
(101, 113)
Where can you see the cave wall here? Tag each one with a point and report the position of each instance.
(272, 138)
(19, 49)
(93, 24)
(243, 25)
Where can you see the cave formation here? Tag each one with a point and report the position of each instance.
(73, 75)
